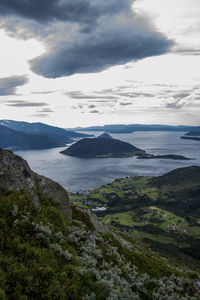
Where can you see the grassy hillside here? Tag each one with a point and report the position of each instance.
(162, 212)
(45, 256)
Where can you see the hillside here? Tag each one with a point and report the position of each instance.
(10, 138)
(162, 212)
(102, 148)
(45, 254)
(41, 128)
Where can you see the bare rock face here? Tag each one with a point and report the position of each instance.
(15, 174)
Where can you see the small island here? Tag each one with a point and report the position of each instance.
(193, 133)
(167, 156)
(102, 148)
(194, 138)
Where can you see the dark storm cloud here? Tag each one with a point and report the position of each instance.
(8, 85)
(21, 103)
(82, 36)
(81, 11)
(108, 46)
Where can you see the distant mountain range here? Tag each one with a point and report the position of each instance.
(24, 135)
(14, 139)
(121, 128)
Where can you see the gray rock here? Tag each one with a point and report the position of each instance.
(15, 174)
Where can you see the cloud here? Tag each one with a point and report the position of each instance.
(81, 95)
(22, 103)
(82, 11)
(181, 95)
(39, 115)
(91, 106)
(8, 85)
(45, 110)
(43, 93)
(117, 40)
(125, 103)
(174, 105)
(83, 36)
(94, 111)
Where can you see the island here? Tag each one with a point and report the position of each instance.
(167, 156)
(102, 148)
(193, 133)
(194, 138)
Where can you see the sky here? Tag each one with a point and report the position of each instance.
(72, 63)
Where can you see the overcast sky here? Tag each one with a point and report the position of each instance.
(92, 62)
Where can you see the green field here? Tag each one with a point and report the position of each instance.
(162, 212)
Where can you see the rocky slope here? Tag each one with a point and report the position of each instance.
(15, 174)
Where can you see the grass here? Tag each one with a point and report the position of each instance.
(121, 218)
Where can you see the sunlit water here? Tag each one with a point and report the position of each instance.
(78, 174)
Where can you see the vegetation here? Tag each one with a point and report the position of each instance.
(162, 212)
(45, 256)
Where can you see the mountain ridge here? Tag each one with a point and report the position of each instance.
(123, 128)
(44, 255)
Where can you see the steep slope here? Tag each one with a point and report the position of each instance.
(102, 148)
(15, 174)
(44, 255)
(10, 138)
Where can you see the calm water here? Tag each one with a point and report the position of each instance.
(76, 174)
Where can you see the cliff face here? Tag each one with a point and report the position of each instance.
(15, 174)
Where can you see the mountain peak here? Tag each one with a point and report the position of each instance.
(105, 135)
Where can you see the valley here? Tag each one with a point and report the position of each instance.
(161, 212)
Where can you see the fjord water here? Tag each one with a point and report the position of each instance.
(78, 174)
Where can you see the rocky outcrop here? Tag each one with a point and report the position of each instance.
(15, 174)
